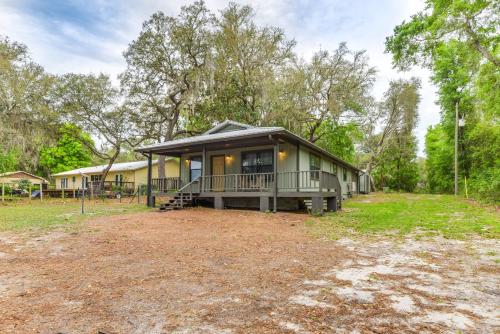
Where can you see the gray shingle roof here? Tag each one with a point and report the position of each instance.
(204, 138)
(250, 131)
(227, 122)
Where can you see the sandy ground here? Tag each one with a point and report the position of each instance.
(208, 271)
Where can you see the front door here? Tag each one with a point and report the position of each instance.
(218, 171)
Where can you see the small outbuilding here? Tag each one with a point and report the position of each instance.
(364, 182)
(12, 180)
(17, 176)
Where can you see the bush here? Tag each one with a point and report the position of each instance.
(485, 186)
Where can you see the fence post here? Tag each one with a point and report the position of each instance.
(83, 200)
(3, 192)
(29, 191)
(138, 194)
(62, 193)
(41, 192)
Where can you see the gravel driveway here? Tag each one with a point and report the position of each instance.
(207, 271)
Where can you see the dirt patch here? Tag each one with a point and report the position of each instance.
(208, 271)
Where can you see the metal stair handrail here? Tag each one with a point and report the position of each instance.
(181, 191)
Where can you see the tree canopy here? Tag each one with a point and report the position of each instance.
(459, 42)
(69, 152)
(184, 73)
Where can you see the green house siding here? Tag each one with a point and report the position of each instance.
(287, 161)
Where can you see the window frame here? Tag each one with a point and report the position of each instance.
(258, 167)
(118, 179)
(314, 169)
(191, 159)
(95, 178)
(85, 180)
(64, 183)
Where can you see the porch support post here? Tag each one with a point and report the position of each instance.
(331, 204)
(203, 166)
(264, 203)
(219, 202)
(275, 172)
(150, 175)
(317, 205)
(298, 167)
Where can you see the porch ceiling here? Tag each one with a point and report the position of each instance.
(218, 145)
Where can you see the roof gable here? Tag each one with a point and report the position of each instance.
(20, 174)
(228, 126)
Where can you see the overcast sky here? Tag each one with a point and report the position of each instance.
(84, 36)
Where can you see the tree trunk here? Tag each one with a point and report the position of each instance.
(369, 171)
(108, 167)
(161, 166)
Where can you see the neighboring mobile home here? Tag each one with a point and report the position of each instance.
(127, 175)
(238, 165)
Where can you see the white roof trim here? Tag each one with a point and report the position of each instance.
(118, 167)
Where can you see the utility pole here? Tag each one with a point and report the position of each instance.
(456, 148)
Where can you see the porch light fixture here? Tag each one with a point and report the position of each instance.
(229, 159)
(282, 154)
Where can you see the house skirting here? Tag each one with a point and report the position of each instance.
(264, 201)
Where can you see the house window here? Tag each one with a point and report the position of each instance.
(194, 168)
(64, 183)
(257, 162)
(85, 180)
(344, 172)
(314, 166)
(95, 178)
(118, 179)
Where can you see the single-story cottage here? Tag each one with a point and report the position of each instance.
(243, 166)
(17, 176)
(126, 175)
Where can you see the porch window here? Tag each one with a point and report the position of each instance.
(85, 180)
(314, 166)
(257, 162)
(118, 179)
(194, 168)
(95, 178)
(64, 183)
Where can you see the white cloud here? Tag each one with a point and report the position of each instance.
(65, 46)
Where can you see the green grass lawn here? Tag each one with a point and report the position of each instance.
(49, 213)
(400, 214)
